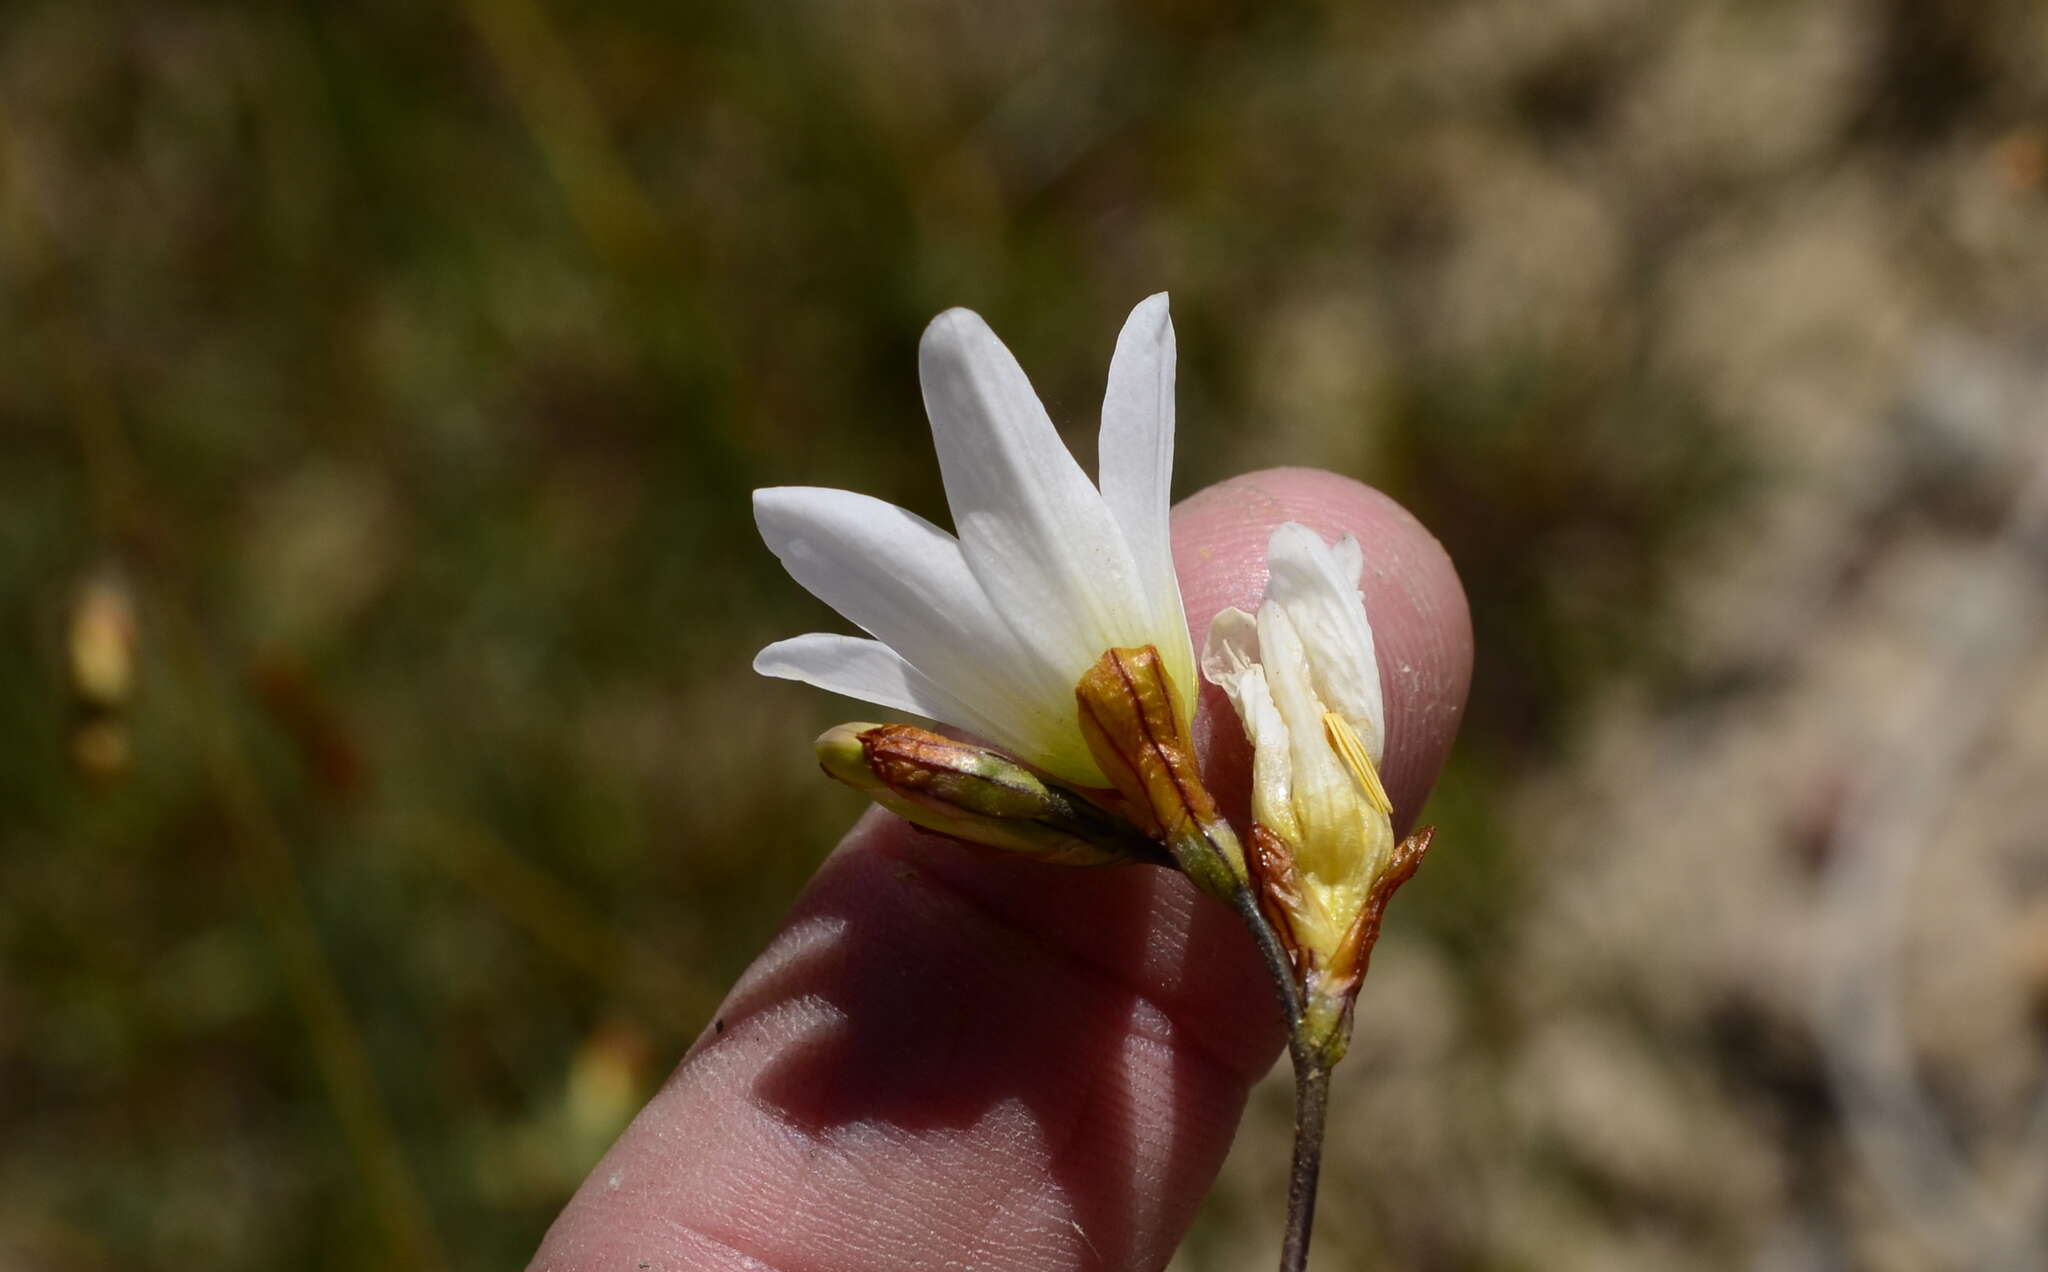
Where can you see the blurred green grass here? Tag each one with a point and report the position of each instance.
(413, 362)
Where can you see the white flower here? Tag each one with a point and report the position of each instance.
(992, 630)
(1306, 683)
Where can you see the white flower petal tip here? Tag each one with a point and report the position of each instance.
(991, 630)
(1317, 585)
(854, 668)
(1135, 451)
(1231, 648)
(1147, 330)
(1350, 559)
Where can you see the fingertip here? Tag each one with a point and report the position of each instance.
(1420, 620)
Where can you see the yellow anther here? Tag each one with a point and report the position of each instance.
(1353, 753)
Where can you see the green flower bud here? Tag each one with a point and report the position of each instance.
(979, 795)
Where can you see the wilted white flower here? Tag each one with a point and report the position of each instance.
(1305, 680)
(991, 631)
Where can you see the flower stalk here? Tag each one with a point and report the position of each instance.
(1311, 1114)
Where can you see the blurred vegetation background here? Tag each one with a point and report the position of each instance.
(388, 800)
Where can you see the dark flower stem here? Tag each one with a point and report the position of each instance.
(1311, 1105)
(1278, 965)
(1311, 1085)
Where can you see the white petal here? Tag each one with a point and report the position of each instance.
(1350, 559)
(904, 581)
(1272, 753)
(1135, 460)
(872, 672)
(1230, 660)
(1288, 672)
(863, 669)
(1322, 600)
(1034, 530)
(1232, 645)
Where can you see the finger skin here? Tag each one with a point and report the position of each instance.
(951, 1058)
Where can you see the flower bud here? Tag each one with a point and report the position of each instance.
(979, 795)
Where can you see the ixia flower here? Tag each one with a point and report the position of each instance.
(1305, 681)
(991, 631)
